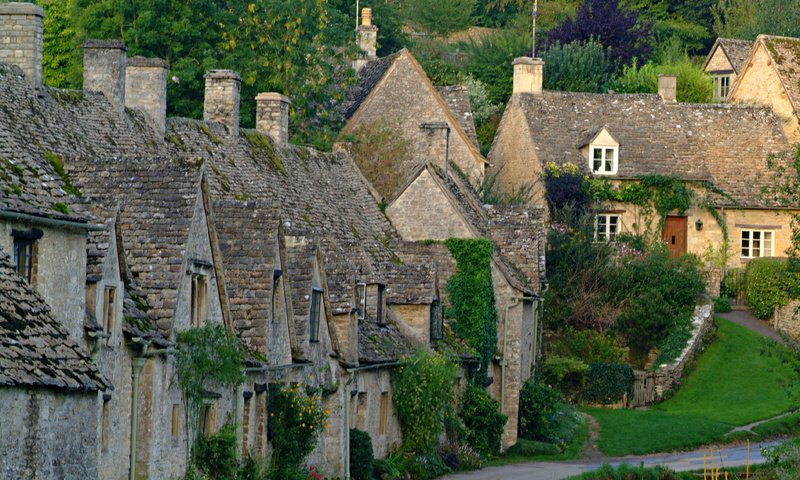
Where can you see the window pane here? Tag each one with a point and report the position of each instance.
(613, 222)
(767, 246)
(597, 153)
(316, 297)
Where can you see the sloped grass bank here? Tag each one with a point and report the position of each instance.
(735, 382)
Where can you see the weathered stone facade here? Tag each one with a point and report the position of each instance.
(146, 89)
(223, 92)
(272, 116)
(104, 69)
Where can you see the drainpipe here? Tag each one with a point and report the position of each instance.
(503, 362)
(352, 372)
(138, 366)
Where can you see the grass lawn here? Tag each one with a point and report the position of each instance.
(733, 384)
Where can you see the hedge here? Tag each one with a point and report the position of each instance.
(608, 383)
(767, 287)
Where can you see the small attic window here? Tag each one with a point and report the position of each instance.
(379, 310)
(722, 87)
(604, 159)
(25, 252)
(437, 324)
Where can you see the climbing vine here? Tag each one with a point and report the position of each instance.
(652, 193)
(206, 355)
(472, 304)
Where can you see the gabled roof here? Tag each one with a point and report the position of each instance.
(157, 197)
(735, 50)
(368, 78)
(705, 143)
(785, 55)
(457, 99)
(35, 349)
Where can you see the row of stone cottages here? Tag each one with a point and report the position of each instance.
(123, 228)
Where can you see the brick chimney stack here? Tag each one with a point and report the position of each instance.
(21, 39)
(223, 92)
(668, 88)
(146, 89)
(272, 116)
(528, 75)
(104, 69)
(367, 39)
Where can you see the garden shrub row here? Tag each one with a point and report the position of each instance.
(770, 283)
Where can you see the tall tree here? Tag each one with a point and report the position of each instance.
(749, 18)
(442, 16)
(617, 28)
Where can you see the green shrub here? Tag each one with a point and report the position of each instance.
(296, 419)
(567, 375)
(422, 393)
(608, 383)
(215, 455)
(461, 457)
(532, 448)
(767, 284)
(576, 67)
(482, 421)
(679, 335)
(422, 466)
(361, 455)
(693, 85)
(590, 346)
(544, 416)
(722, 304)
(384, 468)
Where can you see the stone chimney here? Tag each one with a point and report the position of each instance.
(367, 39)
(21, 39)
(146, 89)
(104, 69)
(223, 90)
(668, 88)
(434, 144)
(528, 75)
(272, 116)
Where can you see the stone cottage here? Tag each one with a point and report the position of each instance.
(724, 63)
(133, 227)
(770, 77)
(623, 138)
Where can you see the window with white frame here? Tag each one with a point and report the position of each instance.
(604, 160)
(606, 227)
(757, 243)
(722, 87)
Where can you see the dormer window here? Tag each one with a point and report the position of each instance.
(313, 319)
(109, 310)
(722, 87)
(604, 160)
(199, 300)
(25, 252)
(361, 294)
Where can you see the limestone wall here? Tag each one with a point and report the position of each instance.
(365, 415)
(59, 272)
(786, 319)
(272, 116)
(423, 212)
(48, 434)
(759, 84)
(146, 89)
(222, 97)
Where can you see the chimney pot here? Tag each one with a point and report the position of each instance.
(272, 116)
(223, 90)
(668, 88)
(21, 39)
(104, 69)
(146, 89)
(528, 75)
(366, 16)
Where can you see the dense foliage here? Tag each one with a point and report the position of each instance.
(215, 455)
(440, 17)
(207, 356)
(482, 421)
(769, 284)
(608, 383)
(471, 306)
(566, 374)
(694, 86)
(592, 346)
(361, 455)
(576, 67)
(422, 392)
(296, 419)
(544, 415)
(749, 18)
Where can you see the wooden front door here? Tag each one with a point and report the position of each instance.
(674, 234)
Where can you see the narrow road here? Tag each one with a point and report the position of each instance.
(730, 457)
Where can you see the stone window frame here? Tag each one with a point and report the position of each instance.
(763, 251)
(199, 273)
(609, 234)
(109, 318)
(604, 161)
(314, 313)
(27, 239)
(722, 86)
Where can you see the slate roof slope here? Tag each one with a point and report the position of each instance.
(35, 130)
(457, 99)
(380, 343)
(656, 138)
(157, 197)
(736, 50)
(248, 239)
(35, 351)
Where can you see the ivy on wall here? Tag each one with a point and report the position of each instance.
(472, 303)
(652, 193)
